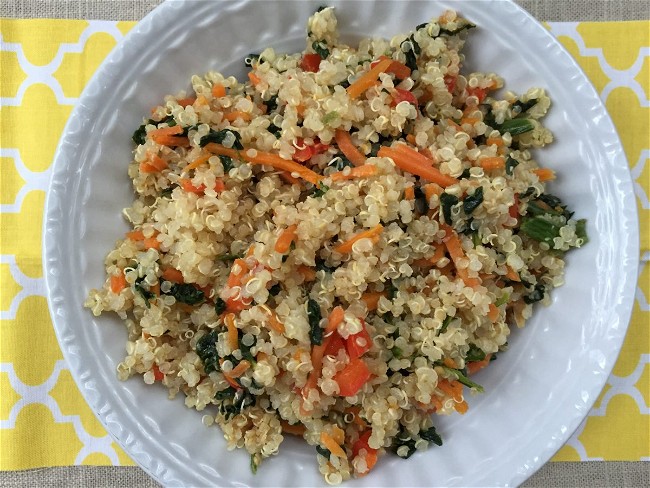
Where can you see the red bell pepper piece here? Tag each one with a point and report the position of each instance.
(352, 377)
(310, 62)
(359, 343)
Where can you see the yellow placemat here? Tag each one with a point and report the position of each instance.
(44, 65)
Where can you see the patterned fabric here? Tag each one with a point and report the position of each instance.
(44, 65)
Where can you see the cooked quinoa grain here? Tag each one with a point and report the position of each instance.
(332, 248)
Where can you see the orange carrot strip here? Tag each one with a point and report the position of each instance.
(118, 282)
(493, 313)
(197, 162)
(364, 171)
(237, 272)
(336, 316)
(497, 141)
(492, 163)
(152, 243)
(145, 167)
(286, 176)
(461, 407)
(238, 114)
(371, 299)
(233, 334)
(437, 255)
(218, 90)
(346, 246)
(231, 381)
(165, 131)
(268, 159)
(338, 434)
(157, 162)
(184, 102)
(410, 139)
(455, 250)
(255, 80)
(366, 80)
(452, 388)
(285, 239)
(173, 275)
(469, 120)
(406, 163)
(171, 140)
(275, 323)
(349, 150)
(415, 155)
(135, 235)
(297, 429)
(431, 189)
(190, 188)
(450, 363)
(512, 275)
(308, 273)
(409, 193)
(474, 366)
(240, 369)
(331, 445)
(544, 174)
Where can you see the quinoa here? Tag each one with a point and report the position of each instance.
(332, 248)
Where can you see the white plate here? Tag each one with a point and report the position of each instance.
(536, 394)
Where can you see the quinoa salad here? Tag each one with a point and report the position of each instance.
(332, 248)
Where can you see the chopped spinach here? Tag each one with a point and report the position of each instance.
(540, 229)
(227, 163)
(471, 202)
(465, 174)
(275, 289)
(229, 257)
(167, 192)
(515, 126)
(445, 324)
(396, 352)
(319, 190)
(340, 162)
(218, 137)
(320, 48)
(206, 350)
(511, 164)
(391, 290)
(458, 30)
(140, 134)
(271, 104)
(447, 201)
(186, 293)
(321, 266)
(314, 316)
(275, 130)
(219, 306)
(475, 353)
(227, 394)
(254, 463)
(520, 107)
(411, 50)
(403, 439)
(146, 294)
(581, 230)
(431, 436)
(420, 200)
(502, 299)
(323, 451)
(536, 295)
(330, 117)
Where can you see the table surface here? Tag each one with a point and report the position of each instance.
(556, 474)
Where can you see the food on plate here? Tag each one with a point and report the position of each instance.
(333, 247)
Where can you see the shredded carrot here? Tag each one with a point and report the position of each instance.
(156, 162)
(300, 109)
(497, 141)
(285, 239)
(331, 445)
(455, 125)
(219, 185)
(165, 131)
(373, 234)
(135, 235)
(349, 150)
(238, 114)
(118, 282)
(493, 313)
(474, 366)
(407, 163)
(512, 275)
(173, 275)
(155, 289)
(286, 176)
(454, 389)
(268, 159)
(184, 102)
(364, 171)
(410, 138)
(231, 381)
(152, 243)
(197, 162)
(218, 90)
(275, 323)
(145, 167)
(492, 163)
(431, 189)
(336, 316)
(544, 174)
(450, 363)
(366, 80)
(308, 273)
(356, 411)
(438, 254)
(455, 250)
(414, 154)
(233, 334)
(297, 429)
(172, 141)
(469, 120)
(255, 80)
(409, 193)
(461, 407)
(371, 299)
(240, 369)
(338, 434)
